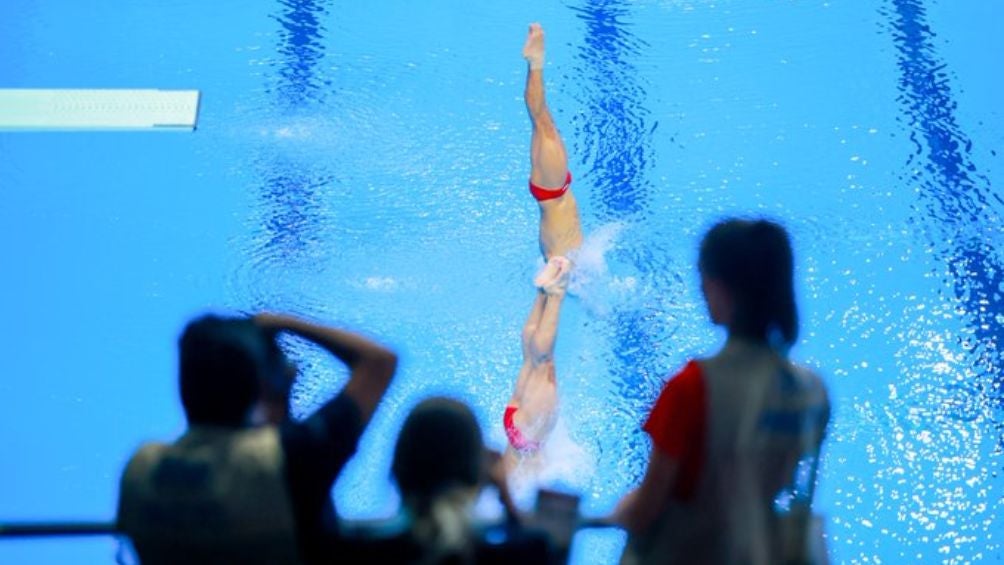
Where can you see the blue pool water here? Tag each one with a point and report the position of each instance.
(365, 163)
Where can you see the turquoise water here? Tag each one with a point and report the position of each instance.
(366, 164)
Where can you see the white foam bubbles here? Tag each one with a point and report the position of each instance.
(592, 282)
(380, 283)
(561, 464)
(590, 258)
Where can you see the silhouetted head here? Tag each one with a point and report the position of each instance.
(439, 448)
(746, 274)
(225, 365)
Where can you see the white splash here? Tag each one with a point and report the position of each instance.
(590, 258)
(562, 464)
(591, 282)
(380, 284)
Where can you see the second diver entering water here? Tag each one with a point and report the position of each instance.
(531, 413)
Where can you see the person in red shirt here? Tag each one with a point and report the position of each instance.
(729, 431)
(531, 411)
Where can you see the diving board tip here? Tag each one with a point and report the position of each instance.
(32, 109)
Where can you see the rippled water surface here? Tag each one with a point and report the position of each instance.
(365, 163)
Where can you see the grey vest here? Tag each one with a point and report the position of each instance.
(214, 496)
(764, 416)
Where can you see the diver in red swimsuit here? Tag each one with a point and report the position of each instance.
(531, 412)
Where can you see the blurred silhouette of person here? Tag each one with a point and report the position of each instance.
(244, 483)
(531, 412)
(735, 436)
(440, 465)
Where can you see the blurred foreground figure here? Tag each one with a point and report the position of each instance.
(245, 484)
(735, 436)
(440, 466)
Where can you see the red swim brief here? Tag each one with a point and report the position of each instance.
(542, 194)
(516, 438)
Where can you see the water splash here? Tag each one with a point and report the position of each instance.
(563, 464)
(591, 281)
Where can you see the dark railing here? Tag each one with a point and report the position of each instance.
(60, 529)
(50, 529)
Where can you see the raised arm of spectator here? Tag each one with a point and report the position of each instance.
(371, 366)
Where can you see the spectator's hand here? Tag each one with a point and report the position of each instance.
(621, 515)
(495, 470)
(495, 475)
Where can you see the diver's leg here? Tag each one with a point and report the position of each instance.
(541, 345)
(560, 230)
(532, 321)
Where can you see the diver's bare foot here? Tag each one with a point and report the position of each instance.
(553, 278)
(547, 273)
(560, 283)
(533, 49)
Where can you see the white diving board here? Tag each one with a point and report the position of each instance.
(104, 109)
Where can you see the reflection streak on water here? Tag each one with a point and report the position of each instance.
(288, 225)
(290, 228)
(613, 138)
(948, 406)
